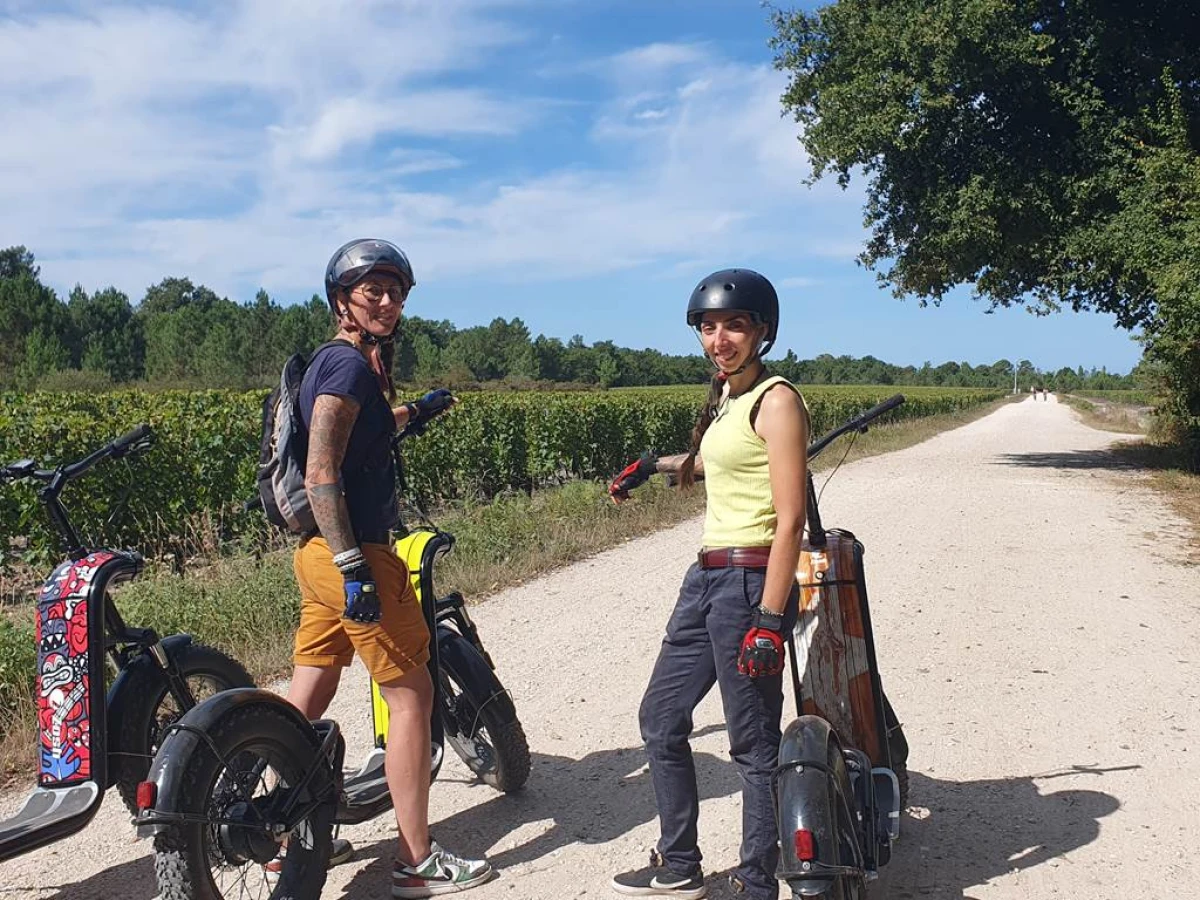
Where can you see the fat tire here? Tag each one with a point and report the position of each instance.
(844, 887)
(507, 738)
(181, 863)
(145, 694)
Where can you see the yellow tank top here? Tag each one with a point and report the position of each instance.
(740, 510)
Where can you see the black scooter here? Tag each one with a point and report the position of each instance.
(245, 770)
(842, 777)
(89, 738)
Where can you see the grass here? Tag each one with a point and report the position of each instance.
(1165, 466)
(1111, 415)
(247, 606)
(1163, 460)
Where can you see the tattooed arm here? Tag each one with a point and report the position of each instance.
(332, 419)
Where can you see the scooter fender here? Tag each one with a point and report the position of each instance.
(121, 702)
(805, 802)
(186, 739)
(478, 682)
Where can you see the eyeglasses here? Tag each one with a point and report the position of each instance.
(374, 292)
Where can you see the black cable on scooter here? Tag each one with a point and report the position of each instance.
(849, 447)
(406, 494)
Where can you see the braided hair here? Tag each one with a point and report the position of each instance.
(687, 470)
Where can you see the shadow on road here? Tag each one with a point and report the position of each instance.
(958, 835)
(133, 879)
(592, 800)
(1111, 459)
(1125, 456)
(961, 834)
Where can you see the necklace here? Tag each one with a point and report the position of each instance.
(757, 381)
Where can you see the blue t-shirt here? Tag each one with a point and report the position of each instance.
(368, 470)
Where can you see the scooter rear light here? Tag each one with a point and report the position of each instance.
(147, 794)
(805, 846)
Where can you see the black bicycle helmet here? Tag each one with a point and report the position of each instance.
(741, 289)
(356, 259)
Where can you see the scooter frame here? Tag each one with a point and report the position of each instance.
(838, 808)
(78, 624)
(357, 796)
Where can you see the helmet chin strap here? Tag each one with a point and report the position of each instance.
(721, 374)
(374, 343)
(365, 336)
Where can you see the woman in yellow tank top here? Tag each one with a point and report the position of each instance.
(738, 600)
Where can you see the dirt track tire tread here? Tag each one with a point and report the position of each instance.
(512, 754)
(507, 739)
(146, 693)
(180, 864)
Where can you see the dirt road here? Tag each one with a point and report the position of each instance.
(1037, 618)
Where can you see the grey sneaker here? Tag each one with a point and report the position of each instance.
(342, 851)
(440, 873)
(656, 880)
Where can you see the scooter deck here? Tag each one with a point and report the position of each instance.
(48, 814)
(835, 649)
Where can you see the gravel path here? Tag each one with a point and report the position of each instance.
(1037, 616)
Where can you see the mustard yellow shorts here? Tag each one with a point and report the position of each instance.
(396, 644)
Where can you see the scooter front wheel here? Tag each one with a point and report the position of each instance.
(151, 708)
(223, 851)
(493, 746)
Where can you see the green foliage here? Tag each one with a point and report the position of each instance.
(1152, 244)
(18, 662)
(183, 336)
(204, 459)
(1042, 152)
(1138, 398)
(989, 131)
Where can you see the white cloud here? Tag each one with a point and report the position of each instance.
(656, 57)
(796, 281)
(238, 150)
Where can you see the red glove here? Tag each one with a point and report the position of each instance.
(634, 474)
(762, 647)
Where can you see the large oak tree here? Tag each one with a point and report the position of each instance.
(1040, 152)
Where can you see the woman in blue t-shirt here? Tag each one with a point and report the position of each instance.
(356, 596)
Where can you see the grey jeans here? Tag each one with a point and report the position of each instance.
(700, 649)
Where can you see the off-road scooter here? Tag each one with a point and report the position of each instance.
(245, 771)
(842, 777)
(91, 738)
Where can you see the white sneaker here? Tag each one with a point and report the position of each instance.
(440, 873)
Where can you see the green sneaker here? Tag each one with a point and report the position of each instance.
(440, 873)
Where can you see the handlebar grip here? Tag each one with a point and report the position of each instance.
(126, 440)
(876, 411)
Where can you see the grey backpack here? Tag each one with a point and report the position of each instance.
(283, 452)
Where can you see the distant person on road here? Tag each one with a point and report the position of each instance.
(739, 599)
(356, 596)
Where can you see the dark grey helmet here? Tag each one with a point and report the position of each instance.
(356, 259)
(741, 289)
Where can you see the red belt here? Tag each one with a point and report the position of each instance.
(723, 557)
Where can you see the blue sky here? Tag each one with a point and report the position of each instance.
(577, 163)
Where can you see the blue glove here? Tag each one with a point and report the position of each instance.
(422, 412)
(362, 599)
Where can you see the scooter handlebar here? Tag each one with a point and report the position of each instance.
(136, 435)
(858, 423)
